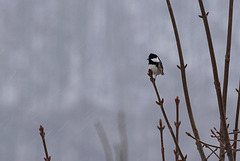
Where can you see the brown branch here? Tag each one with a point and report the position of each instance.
(212, 153)
(161, 128)
(160, 103)
(216, 130)
(217, 84)
(234, 141)
(177, 123)
(184, 82)
(226, 68)
(42, 134)
(218, 138)
(230, 133)
(214, 146)
(236, 150)
(104, 140)
(227, 56)
(234, 132)
(236, 122)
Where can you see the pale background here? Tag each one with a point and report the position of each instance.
(67, 64)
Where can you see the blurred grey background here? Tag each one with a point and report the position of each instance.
(67, 64)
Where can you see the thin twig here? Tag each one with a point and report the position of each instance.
(214, 146)
(160, 103)
(234, 132)
(177, 123)
(236, 122)
(230, 133)
(236, 150)
(226, 68)
(217, 83)
(234, 141)
(104, 140)
(218, 138)
(184, 81)
(42, 134)
(211, 153)
(161, 128)
(216, 130)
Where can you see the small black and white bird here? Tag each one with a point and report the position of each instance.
(155, 64)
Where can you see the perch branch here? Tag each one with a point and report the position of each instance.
(160, 103)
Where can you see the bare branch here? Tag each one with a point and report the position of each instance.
(182, 67)
(218, 138)
(226, 68)
(160, 103)
(234, 132)
(42, 134)
(236, 122)
(217, 84)
(177, 124)
(161, 128)
(212, 153)
(205, 144)
(227, 56)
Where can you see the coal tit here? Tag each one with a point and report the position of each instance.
(155, 64)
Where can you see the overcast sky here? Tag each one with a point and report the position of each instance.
(67, 64)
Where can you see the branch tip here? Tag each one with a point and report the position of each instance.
(174, 151)
(160, 122)
(177, 100)
(41, 129)
(150, 73)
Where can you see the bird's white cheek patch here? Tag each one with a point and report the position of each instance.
(155, 60)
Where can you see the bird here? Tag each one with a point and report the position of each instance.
(155, 64)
